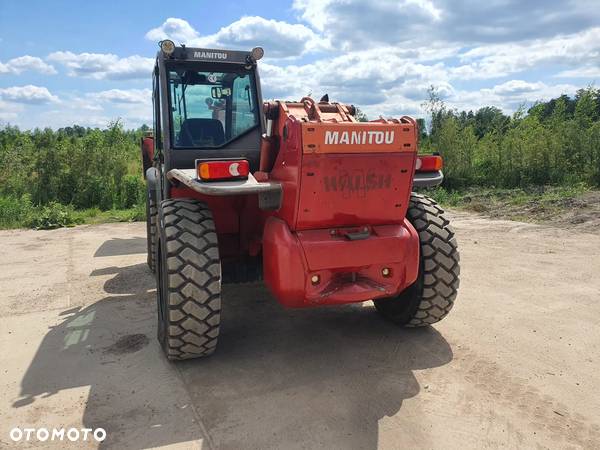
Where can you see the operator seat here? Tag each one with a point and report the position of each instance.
(201, 132)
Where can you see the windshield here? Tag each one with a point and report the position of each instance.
(210, 109)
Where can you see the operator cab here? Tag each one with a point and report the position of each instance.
(210, 105)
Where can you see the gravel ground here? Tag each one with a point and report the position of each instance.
(515, 364)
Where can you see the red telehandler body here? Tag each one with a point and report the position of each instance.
(300, 194)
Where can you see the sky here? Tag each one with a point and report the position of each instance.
(66, 62)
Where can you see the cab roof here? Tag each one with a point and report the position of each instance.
(194, 54)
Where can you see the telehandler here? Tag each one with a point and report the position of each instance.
(296, 193)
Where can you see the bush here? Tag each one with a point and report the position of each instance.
(54, 215)
(15, 212)
(133, 191)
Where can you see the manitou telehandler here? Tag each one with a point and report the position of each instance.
(299, 194)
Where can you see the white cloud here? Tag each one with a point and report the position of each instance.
(28, 94)
(96, 109)
(395, 85)
(280, 39)
(357, 23)
(361, 77)
(104, 65)
(58, 118)
(516, 87)
(178, 30)
(88, 112)
(124, 96)
(21, 64)
(132, 106)
(83, 104)
(391, 51)
(362, 16)
(496, 60)
(380, 55)
(581, 72)
(509, 95)
(9, 112)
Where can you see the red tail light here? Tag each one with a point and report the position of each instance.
(429, 163)
(223, 170)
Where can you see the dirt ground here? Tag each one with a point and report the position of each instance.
(579, 211)
(514, 365)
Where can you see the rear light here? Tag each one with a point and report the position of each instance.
(429, 163)
(223, 170)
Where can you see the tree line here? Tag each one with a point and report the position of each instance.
(552, 143)
(75, 166)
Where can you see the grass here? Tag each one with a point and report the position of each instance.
(94, 215)
(532, 204)
(21, 213)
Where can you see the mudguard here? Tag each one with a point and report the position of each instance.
(153, 183)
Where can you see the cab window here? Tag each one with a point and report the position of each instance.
(210, 109)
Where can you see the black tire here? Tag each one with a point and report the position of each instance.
(151, 217)
(432, 296)
(188, 280)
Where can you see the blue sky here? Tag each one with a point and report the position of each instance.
(65, 62)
